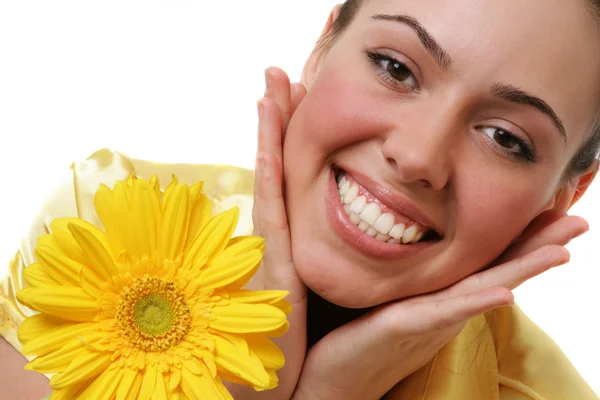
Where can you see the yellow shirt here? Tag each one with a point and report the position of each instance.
(501, 355)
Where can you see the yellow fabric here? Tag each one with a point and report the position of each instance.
(498, 356)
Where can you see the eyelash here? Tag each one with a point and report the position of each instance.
(376, 59)
(526, 152)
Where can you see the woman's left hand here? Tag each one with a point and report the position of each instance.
(367, 357)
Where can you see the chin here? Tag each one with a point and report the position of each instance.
(336, 279)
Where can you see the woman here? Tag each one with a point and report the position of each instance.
(450, 120)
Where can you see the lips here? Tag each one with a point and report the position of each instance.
(375, 221)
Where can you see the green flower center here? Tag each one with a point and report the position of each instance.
(152, 314)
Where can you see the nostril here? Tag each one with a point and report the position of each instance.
(392, 162)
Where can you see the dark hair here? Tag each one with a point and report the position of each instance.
(587, 154)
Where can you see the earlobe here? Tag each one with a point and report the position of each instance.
(311, 67)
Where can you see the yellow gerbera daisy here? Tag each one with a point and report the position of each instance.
(152, 306)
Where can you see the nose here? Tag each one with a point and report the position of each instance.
(421, 151)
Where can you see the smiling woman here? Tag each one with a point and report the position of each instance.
(429, 157)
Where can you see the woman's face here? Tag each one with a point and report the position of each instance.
(456, 117)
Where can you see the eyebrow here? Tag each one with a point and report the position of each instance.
(516, 95)
(436, 51)
(503, 91)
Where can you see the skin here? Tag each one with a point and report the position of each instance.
(350, 116)
(429, 147)
(449, 169)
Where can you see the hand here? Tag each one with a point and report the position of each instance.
(399, 338)
(270, 221)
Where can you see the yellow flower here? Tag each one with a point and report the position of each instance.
(152, 306)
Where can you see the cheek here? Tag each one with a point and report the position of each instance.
(491, 213)
(336, 112)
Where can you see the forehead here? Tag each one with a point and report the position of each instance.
(549, 48)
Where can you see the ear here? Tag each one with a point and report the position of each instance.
(571, 192)
(312, 65)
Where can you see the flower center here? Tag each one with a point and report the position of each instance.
(152, 314)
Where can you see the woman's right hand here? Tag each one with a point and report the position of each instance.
(277, 271)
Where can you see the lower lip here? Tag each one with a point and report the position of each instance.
(357, 238)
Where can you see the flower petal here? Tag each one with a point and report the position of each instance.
(104, 387)
(173, 226)
(69, 393)
(199, 386)
(58, 265)
(145, 210)
(109, 214)
(247, 318)
(160, 391)
(36, 275)
(129, 377)
(64, 237)
(60, 359)
(268, 353)
(227, 271)
(96, 250)
(243, 244)
(67, 302)
(245, 367)
(88, 364)
(148, 383)
(258, 296)
(212, 239)
(51, 338)
(201, 211)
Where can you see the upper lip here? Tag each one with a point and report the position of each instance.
(394, 201)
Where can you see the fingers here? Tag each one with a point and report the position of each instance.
(458, 310)
(407, 318)
(509, 275)
(279, 89)
(269, 216)
(550, 227)
(298, 93)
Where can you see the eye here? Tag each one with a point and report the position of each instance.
(510, 143)
(393, 71)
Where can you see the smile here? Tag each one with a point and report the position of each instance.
(375, 219)
(377, 224)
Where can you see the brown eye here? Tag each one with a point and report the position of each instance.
(393, 71)
(510, 144)
(504, 138)
(399, 71)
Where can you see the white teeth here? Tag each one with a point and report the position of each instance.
(418, 237)
(369, 218)
(372, 231)
(381, 237)
(345, 188)
(385, 223)
(370, 213)
(351, 195)
(397, 231)
(363, 226)
(409, 234)
(355, 218)
(359, 204)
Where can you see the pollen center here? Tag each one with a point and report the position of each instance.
(152, 314)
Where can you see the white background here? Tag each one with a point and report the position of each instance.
(178, 81)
